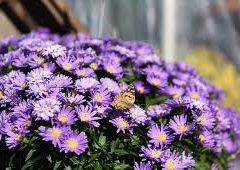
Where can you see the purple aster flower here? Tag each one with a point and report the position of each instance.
(228, 143)
(61, 81)
(39, 90)
(55, 51)
(38, 76)
(122, 124)
(14, 138)
(180, 126)
(159, 110)
(24, 120)
(158, 81)
(102, 110)
(205, 120)
(74, 142)
(19, 59)
(222, 121)
(35, 61)
(46, 108)
(207, 139)
(171, 161)
(142, 166)
(71, 98)
(113, 68)
(86, 56)
(159, 135)
(187, 160)
(110, 85)
(151, 153)
(49, 67)
(86, 84)
(155, 70)
(174, 91)
(101, 96)
(141, 87)
(16, 80)
(85, 72)
(67, 63)
(138, 115)
(66, 116)
(53, 134)
(123, 51)
(87, 114)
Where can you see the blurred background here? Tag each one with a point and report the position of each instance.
(205, 33)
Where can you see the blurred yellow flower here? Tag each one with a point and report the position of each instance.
(221, 72)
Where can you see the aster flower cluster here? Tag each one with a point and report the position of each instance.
(55, 98)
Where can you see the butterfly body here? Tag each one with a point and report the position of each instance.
(125, 99)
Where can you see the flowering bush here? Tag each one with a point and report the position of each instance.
(55, 108)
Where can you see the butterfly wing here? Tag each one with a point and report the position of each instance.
(125, 99)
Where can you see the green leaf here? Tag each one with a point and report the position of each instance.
(75, 160)
(27, 165)
(102, 140)
(113, 145)
(29, 155)
(68, 168)
(97, 166)
(57, 164)
(94, 156)
(121, 166)
(49, 158)
(120, 152)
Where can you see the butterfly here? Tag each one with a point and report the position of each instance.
(125, 99)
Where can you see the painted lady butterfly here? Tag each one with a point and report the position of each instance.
(125, 99)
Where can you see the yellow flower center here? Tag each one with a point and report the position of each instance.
(176, 95)
(194, 95)
(1, 94)
(122, 123)
(94, 66)
(201, 120)
(23, 84)
(39, 60)
(182, 128)
(72, 143)
(46, 109)
(66, 66)
(170, 164)
(159, 112)
(98, 97)
(155, 153)
(100, 109)
(40, 90)
(140, 89)
(26, 121)
(110, 69)
(39, 78)
(38, 49)
(55, 133)
(71, 99)
(81, 73)
(155, 81)
(84, 117)
(18, 136)
(202, 138)
(62, 118)
(161, 137)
